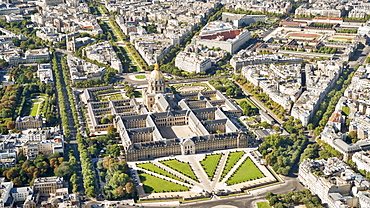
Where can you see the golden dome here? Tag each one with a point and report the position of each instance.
(156, 74)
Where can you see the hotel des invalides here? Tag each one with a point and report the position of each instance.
(166, 124)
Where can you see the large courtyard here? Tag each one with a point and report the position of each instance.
(221, 172)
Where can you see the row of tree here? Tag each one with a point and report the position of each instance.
(347, 31)
(323, 25)
(61, 98)
(327, 107)
(326, 50)
(71, 99)
(9, 99)
(320, 150)
(260, 95)
(87, 172)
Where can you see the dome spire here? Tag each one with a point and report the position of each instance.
(156, 66)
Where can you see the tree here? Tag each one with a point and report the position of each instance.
(120, 191)
(90, 191)
(17, 181)
(130, 188)
(10, 125)
(12, 173)
(104, 120)
(310, 126)
(64, 170)
(255, 35)
(107, 161)
(111, 130)
(118, 179)
(352, 134)
(265, 125)
(230, 92)
(114, 150)
(21, 157)
(74, 182)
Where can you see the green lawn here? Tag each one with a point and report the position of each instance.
(181, 167)
(343, 38)
(155, 169)
(246, 172)
(117, 96)
(210, 163)
(153, 184)
(36, 104)
(240, 99)
(232, 159)
(34, 109)
(141, 76)
(263, 205)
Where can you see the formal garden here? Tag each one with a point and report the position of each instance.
(210, 163)
(181, 167)
(232, 159)
(152, 184)
(247, 171)
(190, 87)
(34, 105)
(109, 97)
(155, 169)
(229, 169)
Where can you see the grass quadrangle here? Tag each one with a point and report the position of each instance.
(247, 171)
(181, 167)
(34, 109)
(232, 159)
(155, 169)
(36, 104)
(210, 163)
(152, 184)
(263, 205)
(141, 76)
(117, 96)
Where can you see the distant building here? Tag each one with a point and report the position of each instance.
(45, 73)
(222, 35)
(9, 9)
(333, 182)
(28, 122)
(365, 30)
(192, 62)
(242, 19)
(362, 160)
(35, 55)
(48, 185)
(52, 2)
(83, 70)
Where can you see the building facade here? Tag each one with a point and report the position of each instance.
(28, 122)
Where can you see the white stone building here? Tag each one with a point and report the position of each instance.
(222, 35)
(45, 73)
